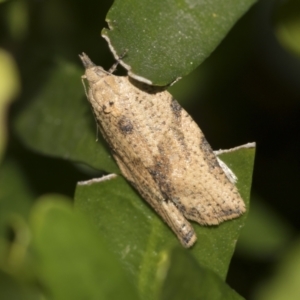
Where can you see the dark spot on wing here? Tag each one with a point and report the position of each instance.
(205, 147)
(209, 155)
(188, 237)
(125, 125)
(176, 108)
(160, 174)
(161, 179)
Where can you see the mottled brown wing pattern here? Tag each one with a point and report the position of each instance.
(162, 152)
(124, 134)
(142, 182)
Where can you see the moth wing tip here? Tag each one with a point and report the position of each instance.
(190, 241)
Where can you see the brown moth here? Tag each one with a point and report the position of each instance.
(162, 152)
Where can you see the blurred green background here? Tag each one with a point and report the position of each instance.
(247, 90)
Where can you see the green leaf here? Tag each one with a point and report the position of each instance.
(140, 238)
(15, 195)
(16, 199)
(11, 289)
(130, 227)
(72, 261)
(165, 40)
(58, 122)
(194, 280)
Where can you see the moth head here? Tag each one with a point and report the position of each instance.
(92, 72)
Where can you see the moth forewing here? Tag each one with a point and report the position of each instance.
(166, 209)
(162, 152)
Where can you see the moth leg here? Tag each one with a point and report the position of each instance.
(115, 65)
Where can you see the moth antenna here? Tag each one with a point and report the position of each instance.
(115, 65)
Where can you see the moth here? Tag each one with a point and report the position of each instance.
(162, 152)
